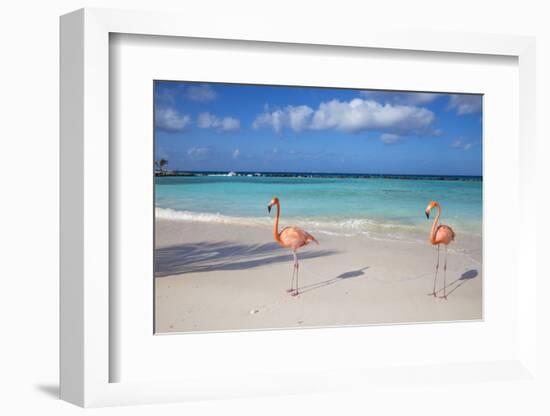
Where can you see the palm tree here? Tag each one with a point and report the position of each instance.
(161, 164)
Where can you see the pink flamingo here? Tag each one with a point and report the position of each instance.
(292, 238)
(440, 234)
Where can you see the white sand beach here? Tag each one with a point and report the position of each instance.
(217, 277)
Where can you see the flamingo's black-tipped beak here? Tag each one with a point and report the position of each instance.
(269, 209)
(428, 214)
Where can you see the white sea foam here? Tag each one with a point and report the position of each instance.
(345, 227)
(172, 214)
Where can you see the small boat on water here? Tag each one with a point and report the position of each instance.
(231, 174)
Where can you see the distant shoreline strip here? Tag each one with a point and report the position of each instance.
(323, 175)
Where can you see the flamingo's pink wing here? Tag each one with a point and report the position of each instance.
(445, 234)
(295, 237)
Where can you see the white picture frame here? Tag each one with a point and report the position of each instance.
(86, 356)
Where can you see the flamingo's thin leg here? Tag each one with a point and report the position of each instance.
(296, 268)
(292, 280)
(445, 277)
(297, 272)
(436, 270)
(294, 272)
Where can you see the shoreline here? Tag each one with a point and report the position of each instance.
(223, 277)
(327, 226)
(327, 175)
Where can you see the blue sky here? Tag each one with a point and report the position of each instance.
(233, 127)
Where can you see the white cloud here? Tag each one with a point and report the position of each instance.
(272, 119)
(236, 153)
(201, 93)
(460, 144)
(198, 152)
(295, 117)
(465, 103)
(171, 120)
(405, 98)
(225, 124)
(359, 115)
(389, 138)
(350, 116)
(298, 117)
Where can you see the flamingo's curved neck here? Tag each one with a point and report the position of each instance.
(434, 225)
(276, 227)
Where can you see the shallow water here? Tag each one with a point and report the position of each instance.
(378, 207)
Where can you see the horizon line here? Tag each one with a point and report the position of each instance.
(320, 172)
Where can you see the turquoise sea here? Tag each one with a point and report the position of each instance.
(380, 206)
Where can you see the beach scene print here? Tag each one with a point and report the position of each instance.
(282, 207)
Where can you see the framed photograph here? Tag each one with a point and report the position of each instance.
(291, 199)
(358, 171)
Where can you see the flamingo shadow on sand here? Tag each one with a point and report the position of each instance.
(209, 256)
(339, 278)
(464, 277)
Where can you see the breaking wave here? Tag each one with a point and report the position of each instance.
(345, 227)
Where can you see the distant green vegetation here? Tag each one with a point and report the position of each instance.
(160, 167)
